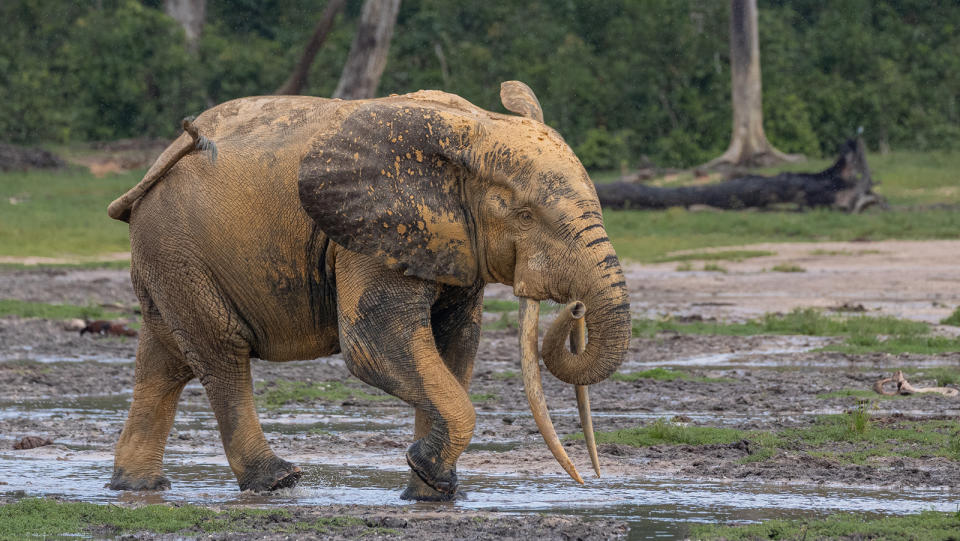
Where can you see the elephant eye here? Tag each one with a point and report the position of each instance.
(525, 218)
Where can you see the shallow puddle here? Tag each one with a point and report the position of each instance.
(656, 508)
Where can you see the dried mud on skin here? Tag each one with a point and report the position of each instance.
(748, 398)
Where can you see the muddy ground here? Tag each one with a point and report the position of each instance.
(748, 383)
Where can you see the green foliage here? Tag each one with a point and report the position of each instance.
(620, 79)
(12, 307)
(713, 267)
(665, 432)
(925, 525)
(601, 149)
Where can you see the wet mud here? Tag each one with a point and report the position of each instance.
(75, 390)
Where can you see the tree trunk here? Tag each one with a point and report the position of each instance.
(298, 79)
(846, 185)
(191, 15)
(368, 54)
(748, 143)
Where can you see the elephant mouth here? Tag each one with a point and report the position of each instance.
(570, 323)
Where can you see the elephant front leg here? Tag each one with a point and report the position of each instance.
(456, 322)
(388, 341)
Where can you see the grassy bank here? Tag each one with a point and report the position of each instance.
(863, 334)
(63, 213)
(851, 438)
(11, 307)
(928, 525)
(36, 518)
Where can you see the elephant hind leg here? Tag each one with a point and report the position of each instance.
(161, 375)
(216, 347)
(253, 462)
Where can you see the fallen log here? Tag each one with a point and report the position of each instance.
(846, 185)
(904, 387)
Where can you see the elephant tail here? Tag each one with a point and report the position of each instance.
(189, 141)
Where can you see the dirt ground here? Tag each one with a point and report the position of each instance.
(748, 383)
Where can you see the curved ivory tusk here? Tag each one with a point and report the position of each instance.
(530, 366)
(578, 343)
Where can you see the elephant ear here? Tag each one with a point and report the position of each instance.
(518, 98)
(388, 183)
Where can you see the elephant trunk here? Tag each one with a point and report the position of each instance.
(583, 364)
(607, 315)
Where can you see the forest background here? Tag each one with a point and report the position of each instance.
(622, 80)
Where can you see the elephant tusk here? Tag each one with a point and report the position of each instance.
(530, 366)
(578, 343)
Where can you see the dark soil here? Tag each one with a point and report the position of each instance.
(768, 383)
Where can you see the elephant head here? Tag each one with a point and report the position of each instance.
(440, 189)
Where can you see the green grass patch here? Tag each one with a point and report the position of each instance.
(119, 264)
(284, 392)
(650, 235)
(36, 518)
(61, 213)
(953, 319)
(482, 397)
(853, 437)
(844, 252)
(12, 307)
(725, 255)
(860, 394)
(506, 374)
(665, 432)
(864, 334)
(661, 374)
(895, 345)
(713, 267)
(931, 525)
(39, 517)
(784, 267)
(801, 321)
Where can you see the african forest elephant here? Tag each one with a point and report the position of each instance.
(368, 227)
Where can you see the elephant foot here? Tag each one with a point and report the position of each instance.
(430, 482)
(418, 490)
(122, 481)
(276, 475)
